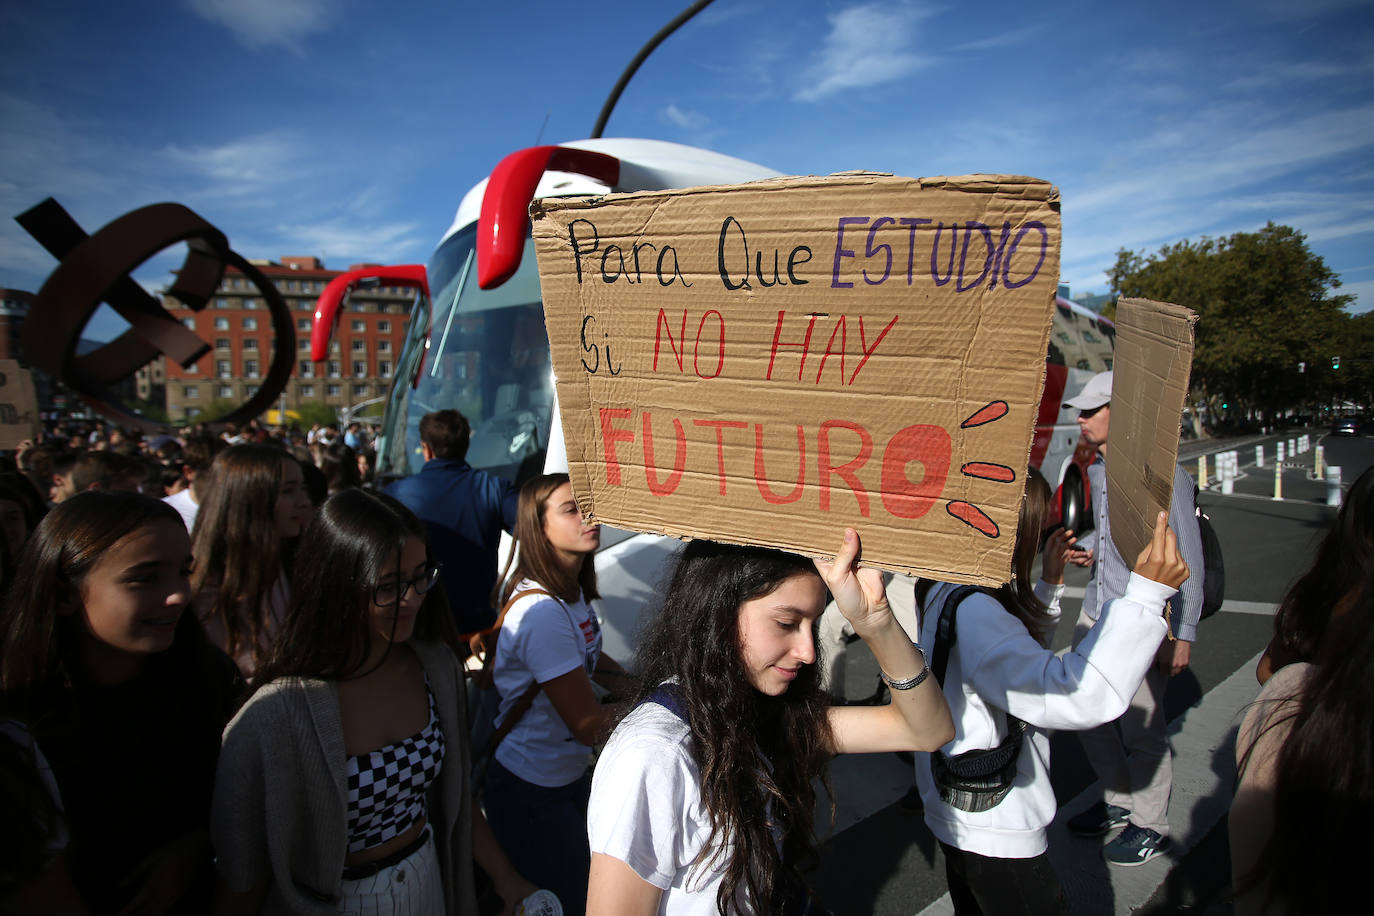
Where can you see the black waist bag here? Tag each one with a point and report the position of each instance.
(974, 780)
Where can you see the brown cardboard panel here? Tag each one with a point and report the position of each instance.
(18, 405)
(770, 362)
(1154, 354)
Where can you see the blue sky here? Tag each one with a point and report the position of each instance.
(350, 130)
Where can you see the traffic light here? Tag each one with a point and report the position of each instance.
(1335, 362)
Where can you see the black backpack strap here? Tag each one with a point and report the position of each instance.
(946, 633)
(669, 696)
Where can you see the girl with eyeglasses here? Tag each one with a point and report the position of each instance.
(547, 656)
(343, 783)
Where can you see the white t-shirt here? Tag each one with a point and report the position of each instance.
(185, 505)
(646, 810)
(543, 638)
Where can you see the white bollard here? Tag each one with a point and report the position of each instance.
(1318, 458)
(1292, 448)
(1278, 475)
(1333, 485)
(1226, 472)
(1278, 459)
(1259, 456)
(1202, 472)
(1234, 459)
(1304, 443)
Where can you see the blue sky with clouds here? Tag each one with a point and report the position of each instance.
(350, 130)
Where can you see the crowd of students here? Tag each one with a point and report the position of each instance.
(252, 700)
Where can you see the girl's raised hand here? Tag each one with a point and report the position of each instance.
(1160, 560)
(858, 593)
(1056, 553)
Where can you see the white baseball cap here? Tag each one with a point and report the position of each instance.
(1096, 393)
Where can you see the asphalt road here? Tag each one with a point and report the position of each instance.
(881, 860)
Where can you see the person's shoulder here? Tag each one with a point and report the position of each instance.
(653, 733)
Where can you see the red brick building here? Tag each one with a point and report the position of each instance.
(238, 325)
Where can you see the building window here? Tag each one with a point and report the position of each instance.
(360, 391)
(251, 390)
(250, 368)
(307, 369)
(222, 369)
(333, 390)
(221, 324)
(191, 369)
(225, 391)
(221, 343)
(333, 368)
(291, 286)
(302, 324)
(189, 322)
(250, 324)
(359, 346)
(250, 343)
(384, 327)
(303, 305)
(356, 325)
(250, 303)
(383, 346)
(384, 368)
(304, 345)
(307, 391)
(359, 368)
(237, 283)
(190, 391)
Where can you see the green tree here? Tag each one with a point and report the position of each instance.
(313, 412)
(1266, 306)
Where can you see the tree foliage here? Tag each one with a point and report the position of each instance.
(1269, 319)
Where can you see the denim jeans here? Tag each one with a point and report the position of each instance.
(543, 832)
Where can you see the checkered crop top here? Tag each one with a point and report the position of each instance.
(386, 787)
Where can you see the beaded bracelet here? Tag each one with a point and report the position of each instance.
(911, 681)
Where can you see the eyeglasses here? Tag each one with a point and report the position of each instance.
(395, 592)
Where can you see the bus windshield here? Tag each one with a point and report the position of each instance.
(481, 352)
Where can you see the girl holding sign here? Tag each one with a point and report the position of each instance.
(987, 793)
(703, 799)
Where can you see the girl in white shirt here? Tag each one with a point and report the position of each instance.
(1000, 664)
(703, 799)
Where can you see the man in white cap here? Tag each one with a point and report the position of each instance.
(1131, 755)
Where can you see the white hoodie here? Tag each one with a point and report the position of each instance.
(996, 667)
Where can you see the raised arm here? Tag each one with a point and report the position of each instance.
(918, 718)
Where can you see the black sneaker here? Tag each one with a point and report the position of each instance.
(1098, 819)
(1135, 846)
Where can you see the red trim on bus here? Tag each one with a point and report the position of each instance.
(330, 303)
(505, 217)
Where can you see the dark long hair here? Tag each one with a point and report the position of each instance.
(353, 540)
(537, 560)
(753, 751)
(1324, 778)
(1344, 565)
(236, 544)
(1018, 595)
(36, 642)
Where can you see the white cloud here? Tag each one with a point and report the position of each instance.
(687, 120)
(241, 167)
(348, 239)
(1363, 291)
(1001, 40)
(263, 23)
(867, 45)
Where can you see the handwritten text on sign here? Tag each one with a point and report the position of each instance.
(766, 363)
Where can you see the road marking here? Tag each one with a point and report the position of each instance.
(1203, 740)
(1261, 608)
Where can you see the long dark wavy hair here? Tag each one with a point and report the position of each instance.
(235, 541)
(354, 539)
(536, 560)
(1324, 777)
(1018, 595)
(1344, 565)
(758, 755)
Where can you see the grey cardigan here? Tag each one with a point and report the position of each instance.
(280, 811)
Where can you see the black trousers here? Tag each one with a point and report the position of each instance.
(983, 886)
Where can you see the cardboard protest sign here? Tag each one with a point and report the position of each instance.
(1154, 354)
(18, 405)
(770, 362)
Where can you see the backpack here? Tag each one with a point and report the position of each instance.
(975, 780)
(1214, 565)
